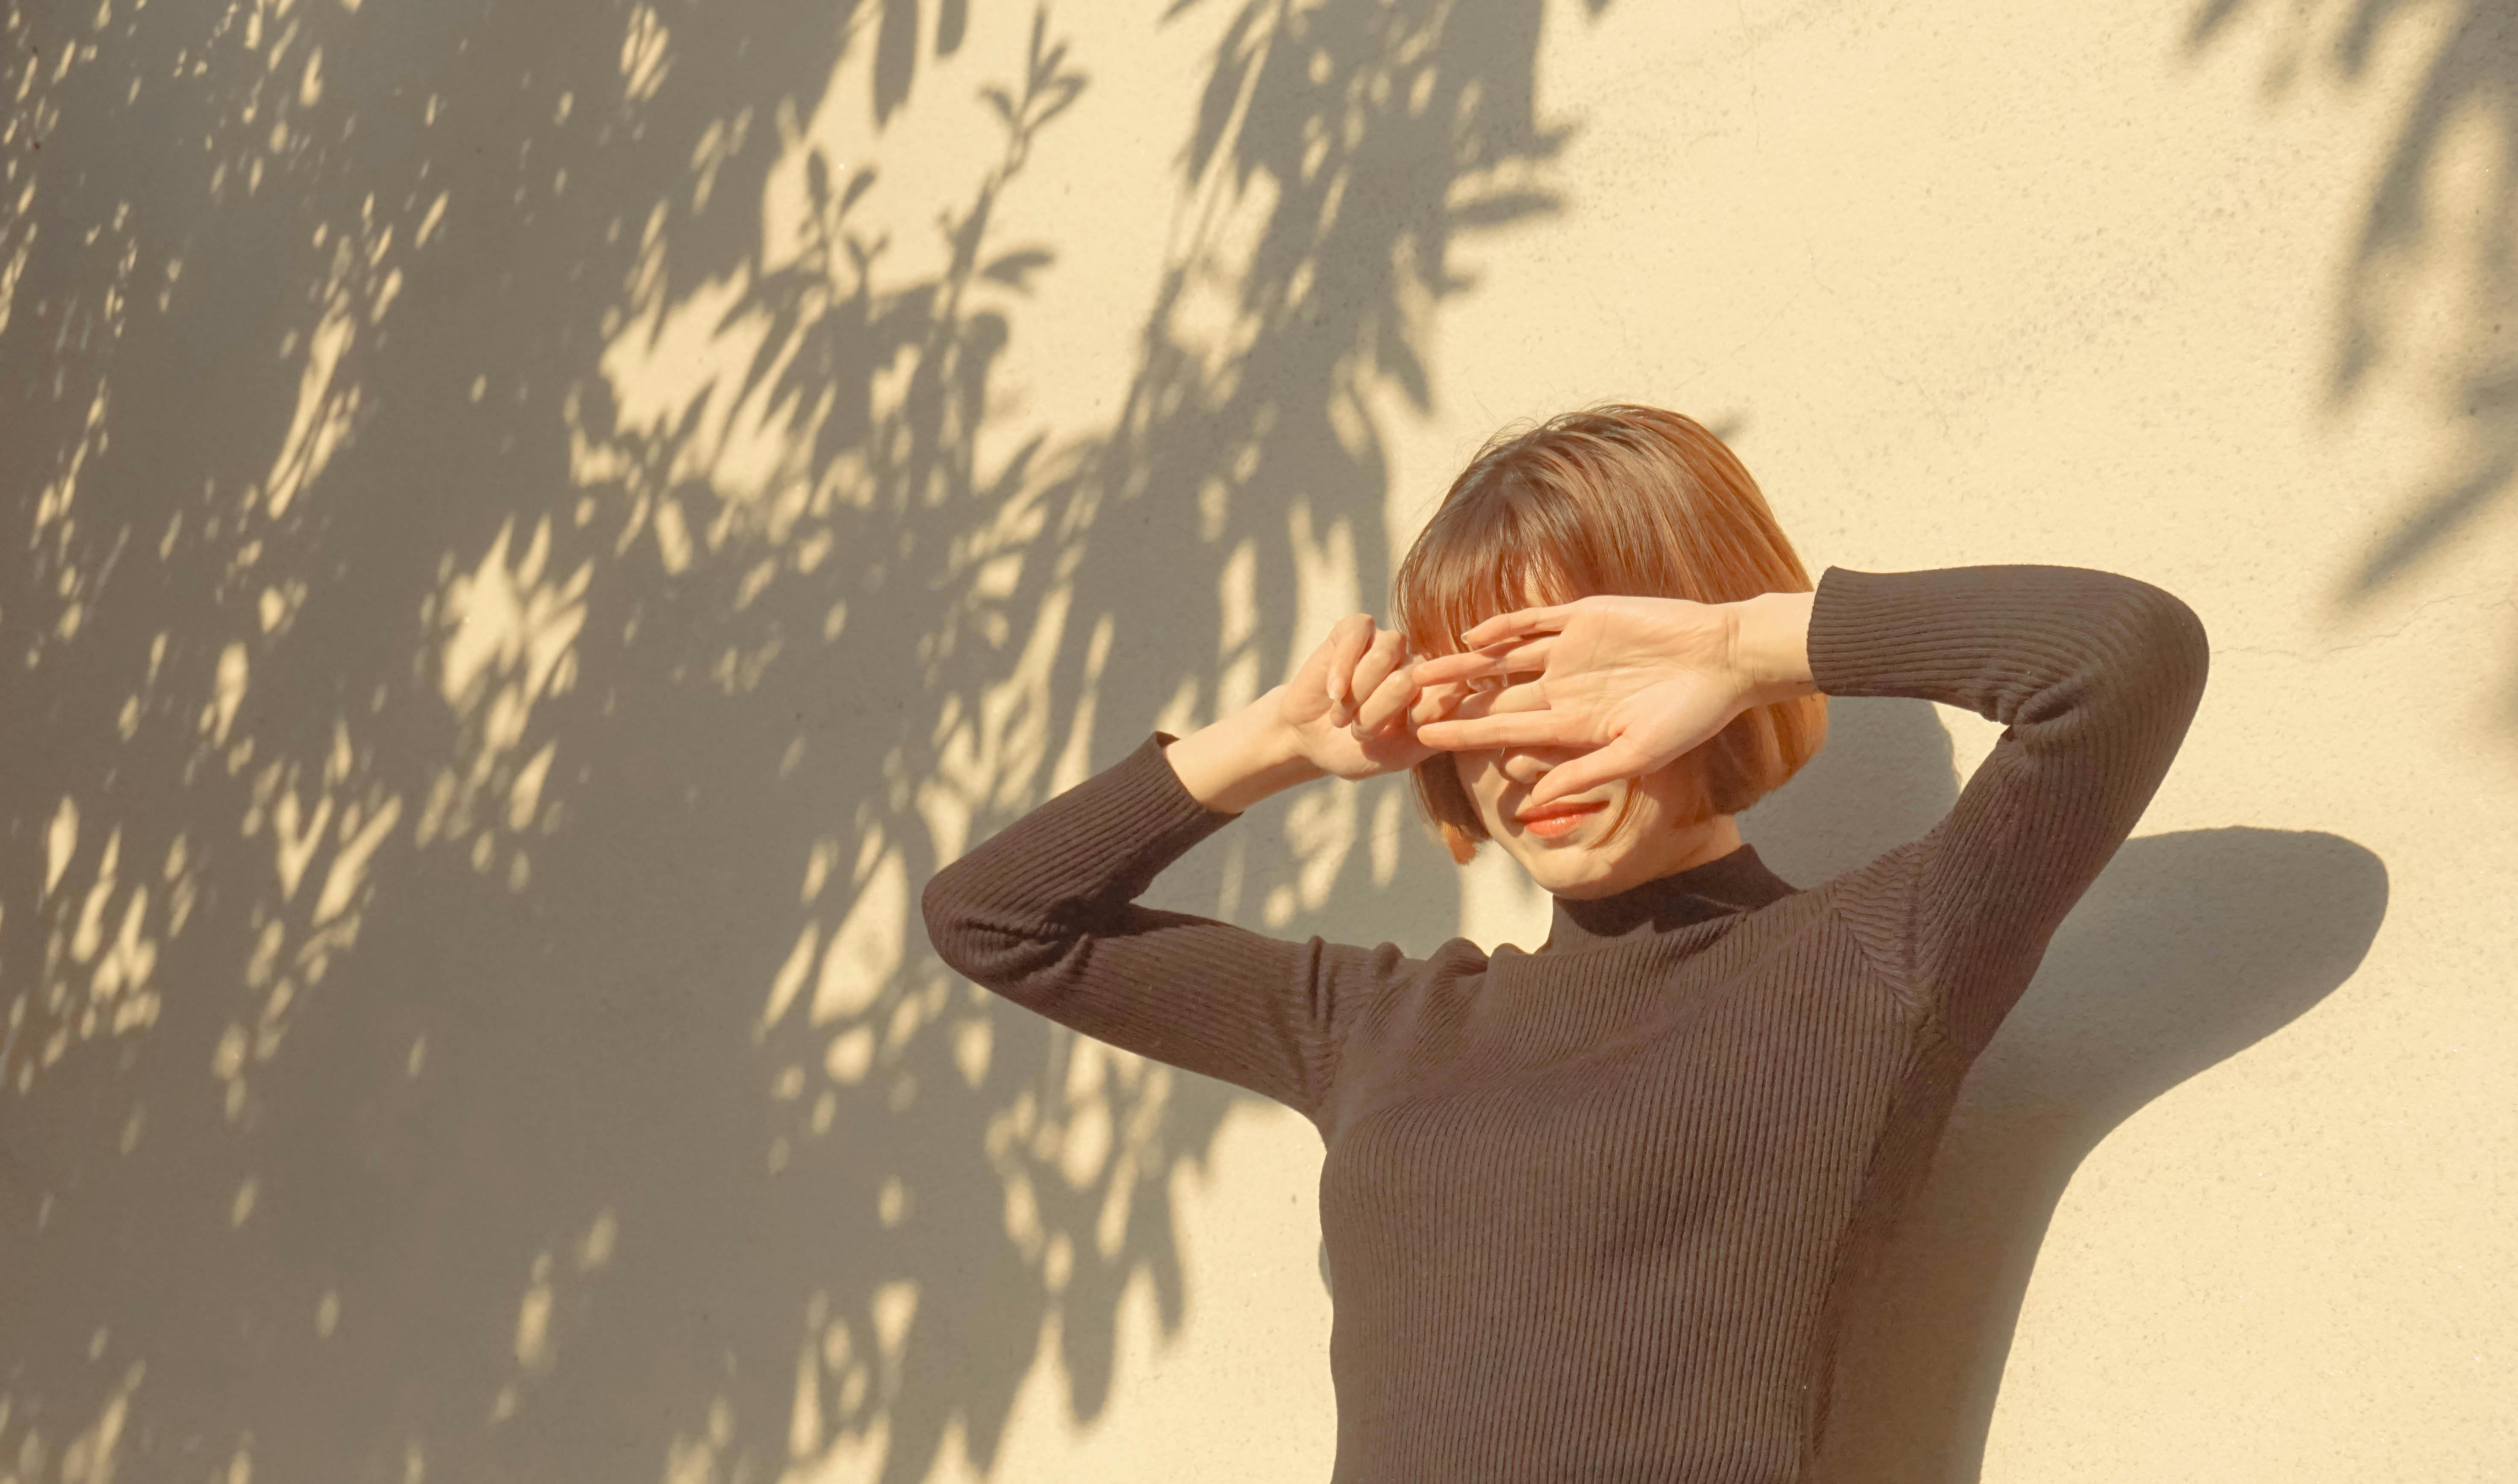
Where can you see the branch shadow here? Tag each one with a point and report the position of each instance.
(502, 637)
(2472, 73)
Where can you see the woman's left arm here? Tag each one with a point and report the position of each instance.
(2095, 678)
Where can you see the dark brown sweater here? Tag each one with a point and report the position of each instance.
(1595, 1212)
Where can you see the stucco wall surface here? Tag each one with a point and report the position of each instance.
(539, 528)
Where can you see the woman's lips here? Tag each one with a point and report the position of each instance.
(1557, 823)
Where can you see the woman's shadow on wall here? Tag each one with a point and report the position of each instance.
(2191, 947)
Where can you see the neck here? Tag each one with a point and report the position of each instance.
(1718, 836)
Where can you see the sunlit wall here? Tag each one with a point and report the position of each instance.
(537, 528)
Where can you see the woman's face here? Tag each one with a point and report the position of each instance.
(1567, 848)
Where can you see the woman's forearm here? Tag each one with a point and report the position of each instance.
(1770, 645)
(1239, 759)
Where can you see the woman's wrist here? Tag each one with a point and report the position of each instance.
(1237, 760)
(1771, 646)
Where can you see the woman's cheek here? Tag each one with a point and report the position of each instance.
(1492, 786)
(1477, 780)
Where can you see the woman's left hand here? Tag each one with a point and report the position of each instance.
(1637, 681)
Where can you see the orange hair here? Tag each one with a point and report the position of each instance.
(1614, 499)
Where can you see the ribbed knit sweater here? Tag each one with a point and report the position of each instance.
(1596, 1213)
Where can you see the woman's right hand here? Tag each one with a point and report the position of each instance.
(1352, 708)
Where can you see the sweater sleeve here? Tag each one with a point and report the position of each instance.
(2095, 678)
(1044, 914)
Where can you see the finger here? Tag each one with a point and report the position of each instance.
(1530, 695)
(1393, 703)
(1347, 645)
(1516, 624)
(1468, 664)
(1434, 702)
(1518, 728)
(1389, 648)
(1472, 664)
(1621, 759)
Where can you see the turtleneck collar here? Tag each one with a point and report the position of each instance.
(1720, 888)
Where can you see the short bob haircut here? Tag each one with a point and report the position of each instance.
(1614, 499)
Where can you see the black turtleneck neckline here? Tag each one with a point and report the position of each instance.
(1738, 882)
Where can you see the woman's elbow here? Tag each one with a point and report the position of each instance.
(2169, 648)
(980, 938)
(2184, 646)
(952, 922)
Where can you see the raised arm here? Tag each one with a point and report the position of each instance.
(1044, 912)
(2095, 678)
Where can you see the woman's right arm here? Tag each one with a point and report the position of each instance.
(1044, 912)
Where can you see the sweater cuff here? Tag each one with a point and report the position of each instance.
(1942, 631)
(1854, 618)
(1160, 811)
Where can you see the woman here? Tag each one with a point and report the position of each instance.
(1595, 1212)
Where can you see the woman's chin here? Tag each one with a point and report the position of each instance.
(1566, 872)
(1584, 890)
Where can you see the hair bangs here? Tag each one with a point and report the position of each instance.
(1495, 553)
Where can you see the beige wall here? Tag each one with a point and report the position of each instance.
(511, 611)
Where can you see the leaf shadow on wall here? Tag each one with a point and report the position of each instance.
(2188, 949)
(466, 1013)
(399, 1116)
(2444, 211)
